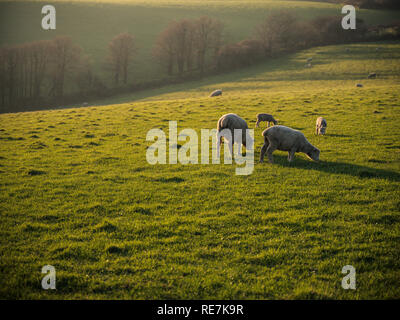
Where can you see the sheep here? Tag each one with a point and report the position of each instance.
(216, 93)
(320, 126)
(231, 122)
(309, 60)
(286, 139)
(265, 117)
(372, 75)
(359, 85)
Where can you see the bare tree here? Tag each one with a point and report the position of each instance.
(38, 56)
(276, 32)
(208, 36)
(174, 46)
(164, 50)
(183, 41)
(65, 56)
(121, 50)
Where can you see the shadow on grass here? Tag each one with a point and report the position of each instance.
(338, 168)
(337, 135)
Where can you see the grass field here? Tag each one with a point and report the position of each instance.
(78, 194)
(92, 24)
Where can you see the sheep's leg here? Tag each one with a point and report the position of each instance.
(218, 144)
(230, 145)
(220, 140)
(239, 148)
(264, 149)
(291, 155)
(270, 150)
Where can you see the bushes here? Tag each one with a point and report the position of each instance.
(243, 53)
(27, 70)
(188, 45)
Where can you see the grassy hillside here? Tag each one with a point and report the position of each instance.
(78, 194)
(93, 24)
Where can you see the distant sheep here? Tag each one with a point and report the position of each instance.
(231, 122)
(286, 139)
(309, 60)
(265, 117)
(359, 85)
(320, 126)
(372, 75)
(216, 93)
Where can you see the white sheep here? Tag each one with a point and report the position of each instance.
(320, 126)
(216, 93)
(265, 117)
(226, 127)
(286, 139)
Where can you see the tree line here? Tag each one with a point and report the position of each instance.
(44, 71)
(58, 71)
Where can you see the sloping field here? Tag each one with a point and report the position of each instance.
(92, 24)
(77, 192)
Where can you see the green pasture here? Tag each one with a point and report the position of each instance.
(76, 191)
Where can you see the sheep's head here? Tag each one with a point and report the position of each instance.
(314, 154)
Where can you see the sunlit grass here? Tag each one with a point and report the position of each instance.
(77, 193)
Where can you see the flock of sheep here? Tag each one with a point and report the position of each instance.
(276, 137)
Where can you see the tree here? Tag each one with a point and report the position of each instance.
(184, 41)
(121, 50)
(38, 56)
(277, 32)
(164, 49)
(208, 36)
(175, 46)
(65, 57)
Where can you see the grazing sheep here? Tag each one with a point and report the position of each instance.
(216, 93)
(320, 126)
(231, 122)
(265, 117)
(286, 139)
(309, 60)
(359, 85)
(372, 75)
